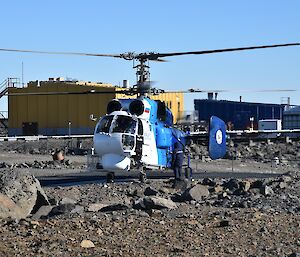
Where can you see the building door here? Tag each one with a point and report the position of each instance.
(30, 128)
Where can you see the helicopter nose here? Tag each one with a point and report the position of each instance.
(112, 161)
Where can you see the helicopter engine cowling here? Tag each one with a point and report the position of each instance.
(136, 107)
(113, 105)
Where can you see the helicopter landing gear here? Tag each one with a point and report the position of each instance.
(142, 174)
(110, 177)
(142, 177)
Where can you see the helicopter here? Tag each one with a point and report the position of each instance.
(139, 132)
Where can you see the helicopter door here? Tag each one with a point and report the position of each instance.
(217, 138)
(139, 141)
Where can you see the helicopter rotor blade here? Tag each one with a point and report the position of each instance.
(63, 53)
(160, 55)
(71, 93)
(159, 60)
(150, 56)
(133, 91)
(196, 90)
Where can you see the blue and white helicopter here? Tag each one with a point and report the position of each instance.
(139, 131)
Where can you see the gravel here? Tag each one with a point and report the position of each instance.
(217, 217)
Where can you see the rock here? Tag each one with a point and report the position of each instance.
(34, 151)
(21, 194)
(68, 162)
(208, 182)
(78, 209)
(95, 207)
(43, 212)
(217, 189)
(232, 184)
(294, 254)
(115, 207)
(181, 184)
(154, 202)
(286, 179)
(257, 184)
(67, 200)
(8, 208)
(62, 209)
(134, 193)
(150, 191)
(245, 185)
(224, 223)
(164, 190)
(266, 190)
(58, 155)
(197, 193)
(87, 244)
(177, 197)
(282, 185)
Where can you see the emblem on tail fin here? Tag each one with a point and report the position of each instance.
(217, 138)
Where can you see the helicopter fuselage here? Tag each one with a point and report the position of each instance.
(136, 132)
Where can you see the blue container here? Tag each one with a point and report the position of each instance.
(238, 113)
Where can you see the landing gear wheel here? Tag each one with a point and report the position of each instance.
(142, 177)
(110, 177)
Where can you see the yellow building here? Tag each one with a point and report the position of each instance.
(63, 114)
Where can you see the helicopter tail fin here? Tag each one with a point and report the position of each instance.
(217, 138)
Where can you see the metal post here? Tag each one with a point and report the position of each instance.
(70, 128)
(22, 74)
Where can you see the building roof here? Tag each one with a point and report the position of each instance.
(293, 110)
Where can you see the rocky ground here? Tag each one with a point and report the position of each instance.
(213, 217)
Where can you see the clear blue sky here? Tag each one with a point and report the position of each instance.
(163, 26)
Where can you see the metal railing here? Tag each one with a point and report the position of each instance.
(7, 83)
(3, 114)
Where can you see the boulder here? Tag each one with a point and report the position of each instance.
(196, 193)
(87, 244)
(8, 208)
(66, 200)
(43, 212)
(95, 207)
(154, 202)
(21, 194)
(150, 191)
(62, 209)
(115, 207)
(181, 184)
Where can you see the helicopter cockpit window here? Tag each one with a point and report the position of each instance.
(124, 124)
(104, 124)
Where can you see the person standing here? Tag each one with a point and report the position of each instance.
(178, 156)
